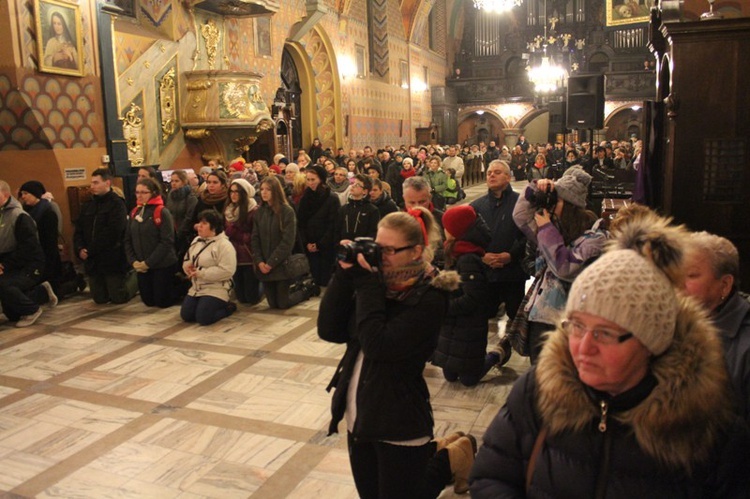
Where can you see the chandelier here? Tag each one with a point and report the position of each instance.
(497, 6)
(548, 75)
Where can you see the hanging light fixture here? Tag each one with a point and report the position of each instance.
(548, 76)
(497, 6)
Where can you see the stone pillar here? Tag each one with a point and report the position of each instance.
(445, 113)
(511, 136)
(116, 145)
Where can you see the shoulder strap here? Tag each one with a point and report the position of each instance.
(157, 214)
(538, 443)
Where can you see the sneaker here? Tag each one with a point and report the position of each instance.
(28, 320)
(50, 293)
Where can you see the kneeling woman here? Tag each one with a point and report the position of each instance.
(210, 263)
(390, 321)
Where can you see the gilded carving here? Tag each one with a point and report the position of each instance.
(197, 133)
(211, 36)
(240, 100)
(167, 99)
(132, 130)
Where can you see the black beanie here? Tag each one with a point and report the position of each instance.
(33, 187)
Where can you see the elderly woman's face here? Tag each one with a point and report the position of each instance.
(608, 367)
(701, 282)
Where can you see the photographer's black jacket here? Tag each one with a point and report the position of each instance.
(396, 337)
(357, 218)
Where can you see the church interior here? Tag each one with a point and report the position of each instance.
(126, 401)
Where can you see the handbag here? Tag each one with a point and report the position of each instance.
(517, 330)
(295, 265)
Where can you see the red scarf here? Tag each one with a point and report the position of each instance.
(465, 248)
(408, 173)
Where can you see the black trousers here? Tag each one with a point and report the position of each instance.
(279, 295)
(321, 265)
(204, 310)
(511, 293)
(14, 285)
(537, 331)
(246, 285)
(157, 288)
(386, 471)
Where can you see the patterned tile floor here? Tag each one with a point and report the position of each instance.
(100, 401)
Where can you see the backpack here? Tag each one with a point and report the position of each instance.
(157, 214)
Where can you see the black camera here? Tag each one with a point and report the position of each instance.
(544, 200)
(366, 245)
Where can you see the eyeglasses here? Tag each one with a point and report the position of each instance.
(358, 185)
(390, 250)
(600, 335)
(143, 192)
(235, 191)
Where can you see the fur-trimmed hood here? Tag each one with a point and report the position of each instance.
(446, 280)
(679, 422)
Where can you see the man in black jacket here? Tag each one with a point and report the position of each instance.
(507, 248)
(99, 242)
(21, 260)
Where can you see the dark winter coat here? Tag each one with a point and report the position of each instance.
(317, 217)
(148, 241)
(273, 236)
(47, 228)
(385, 205)
(357, 218)
(101, 231)
(463, 337)
(673, 435)
(396, 338)
(19, 244)
(181, 204)
(240, 235)
(506, 236)
(733, 321)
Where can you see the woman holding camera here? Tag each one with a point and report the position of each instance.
(553, 215)
(274, 232)
(389, 311)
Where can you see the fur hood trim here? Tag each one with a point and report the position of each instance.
(446, 280)
(679, 421)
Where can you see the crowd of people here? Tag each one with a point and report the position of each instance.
(637, 332)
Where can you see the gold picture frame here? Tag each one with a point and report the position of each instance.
(59, 37)
(262, 32)
(623, 12)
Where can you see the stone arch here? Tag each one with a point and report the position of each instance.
(307, 114)
(328, 126)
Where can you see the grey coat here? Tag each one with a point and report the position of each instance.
(273, 236)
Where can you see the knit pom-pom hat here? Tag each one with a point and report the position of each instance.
(573, 186)
(634, 283)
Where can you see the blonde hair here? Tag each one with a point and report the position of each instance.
(409, 226)
(299, 183)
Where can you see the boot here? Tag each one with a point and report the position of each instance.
(461, 456)
(502, 350)
(443, 442)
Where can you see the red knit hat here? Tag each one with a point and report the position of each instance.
(237, 164)
(459, 219)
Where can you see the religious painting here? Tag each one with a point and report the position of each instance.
(621, 12)
(59, 37)
(263, 37)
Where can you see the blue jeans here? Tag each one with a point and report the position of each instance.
(204, 310)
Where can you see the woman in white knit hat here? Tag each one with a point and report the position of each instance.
(567, 238)
(630, 394)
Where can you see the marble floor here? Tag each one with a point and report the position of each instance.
(100, 401)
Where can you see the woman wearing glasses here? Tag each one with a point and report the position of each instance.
(389, 312)
(629, 397)
(238, 226)
(149, 245)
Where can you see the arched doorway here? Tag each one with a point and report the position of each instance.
(292, 92)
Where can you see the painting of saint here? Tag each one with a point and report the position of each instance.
(59, 37)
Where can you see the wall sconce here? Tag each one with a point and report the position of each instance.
(419, 86)
(347, 68)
